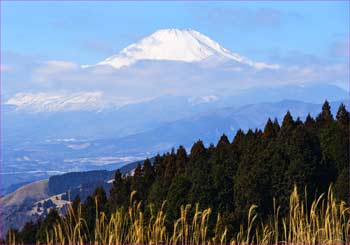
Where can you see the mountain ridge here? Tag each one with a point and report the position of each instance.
(186, 45)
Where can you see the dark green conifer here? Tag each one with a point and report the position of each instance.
(181, 159)
(239, 137)
(76, 204)
(148, 174)
(223, 141)
(343, 116)
(118, 194)
(269, 130)
(288, 122)
(309, 122)
(276, 126)
(197, 149)
(325, 115)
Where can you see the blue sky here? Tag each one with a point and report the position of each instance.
(86, 32)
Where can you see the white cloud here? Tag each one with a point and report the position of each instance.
(203, 99)
(53, 84)
(52, 69)
(79, 146)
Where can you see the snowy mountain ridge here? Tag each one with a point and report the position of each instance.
(64, 101)
(177, 45)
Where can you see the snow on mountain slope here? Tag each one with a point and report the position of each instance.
(55, 101)
(63, 101)
(177, 45)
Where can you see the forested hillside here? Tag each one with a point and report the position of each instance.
(253, 168)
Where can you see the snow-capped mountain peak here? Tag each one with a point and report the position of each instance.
(176, 45)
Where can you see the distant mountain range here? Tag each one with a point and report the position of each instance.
(21, 122)
(34, 200)
(210, 126)
(39, 145)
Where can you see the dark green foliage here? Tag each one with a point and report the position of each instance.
(256, 167)
(309, 122)
(89, 207)
(88, 212)
(276, 125)
(197, 149)
(343, 116)
(148, 175)
(269, 130)
(288, 122)
(101, 198)
(342, 186)
(326, 115)
(223, 142)
(119, 194)
(181, 160)
(76, 204)
(47, 225)
(177, 195)
(170, 168)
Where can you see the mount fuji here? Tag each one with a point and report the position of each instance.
(178, 45)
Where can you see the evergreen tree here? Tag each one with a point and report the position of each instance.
(119, 195)
(170, 168)
(223, 142)
(269, 130)
(276, 126)
(148, 175)
(298, 122)
(342, 185)
(76, 204)
(181, 160)
(224, 164)
(325, 115)
(334, 138)
(158, 166)
(177, 196)
(137, 182)
(304, 153)
(343, 116)
(89, 207)
(197, 149)
(202, 190)
(238, 137)
(288, 122)
(309, 122)
(100, 197)
(89, 213)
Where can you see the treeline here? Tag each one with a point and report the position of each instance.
(255, 167)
